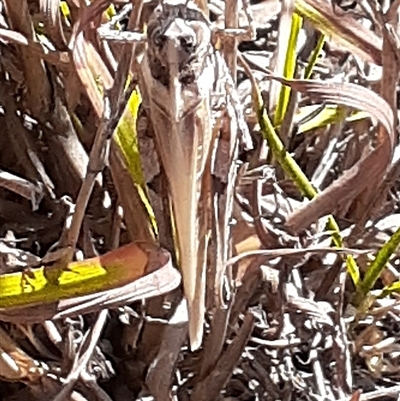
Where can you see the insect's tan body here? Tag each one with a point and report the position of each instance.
(186, 85)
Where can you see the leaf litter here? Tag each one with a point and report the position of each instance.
(288, 329)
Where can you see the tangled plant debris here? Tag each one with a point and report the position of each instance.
(199, 200)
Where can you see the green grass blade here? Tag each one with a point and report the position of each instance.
(125, 136)
(314, 57)
(45, 285)
(376, 267)
(292, 169)
(328, 115)
(289, 69)
(345, 30)
(390, 289)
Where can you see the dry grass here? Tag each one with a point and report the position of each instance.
(298, 326)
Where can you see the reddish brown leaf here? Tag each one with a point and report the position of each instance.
(369, 169)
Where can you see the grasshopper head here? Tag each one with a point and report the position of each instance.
(178, 41)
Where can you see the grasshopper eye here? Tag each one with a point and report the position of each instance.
(158, 38)
(187, 43)
(158, 11)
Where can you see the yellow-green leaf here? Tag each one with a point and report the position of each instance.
(49, 284)
(126, 137)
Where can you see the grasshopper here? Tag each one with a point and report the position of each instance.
(198, 123)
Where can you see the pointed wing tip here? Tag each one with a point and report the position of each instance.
(196, 330)
(196, 339)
